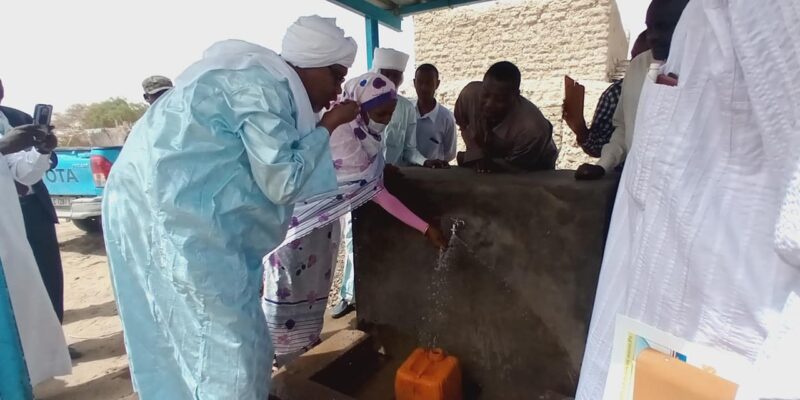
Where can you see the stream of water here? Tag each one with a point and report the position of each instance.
(438, 287)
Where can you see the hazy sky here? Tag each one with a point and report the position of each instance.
(77, 51)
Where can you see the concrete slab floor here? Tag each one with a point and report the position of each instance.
(331, 326)
(342, 349)
(314, 374)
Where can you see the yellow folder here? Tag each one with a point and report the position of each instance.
(661, 377)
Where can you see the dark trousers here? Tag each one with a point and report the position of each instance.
(42, 238)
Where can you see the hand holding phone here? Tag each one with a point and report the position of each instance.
(47, 144)
(42, 116)
(22, 138)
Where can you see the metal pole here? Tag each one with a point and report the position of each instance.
(373, 39)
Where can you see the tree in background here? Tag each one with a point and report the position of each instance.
(72, 118)
(111, 113)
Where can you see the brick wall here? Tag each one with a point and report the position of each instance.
(545, 38)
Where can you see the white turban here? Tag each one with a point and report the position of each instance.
(389, 59)
(313, 42)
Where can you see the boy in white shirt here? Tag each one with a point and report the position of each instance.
(436, 127)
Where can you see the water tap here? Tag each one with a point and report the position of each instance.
(457, 223)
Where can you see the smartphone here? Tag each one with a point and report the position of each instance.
(42, 114)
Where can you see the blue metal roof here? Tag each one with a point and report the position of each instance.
(391, 12)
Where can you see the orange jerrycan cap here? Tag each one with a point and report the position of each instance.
(436, 355)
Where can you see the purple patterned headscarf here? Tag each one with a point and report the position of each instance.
(357, 156)
(354, 147)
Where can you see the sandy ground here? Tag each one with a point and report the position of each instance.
(92, 326)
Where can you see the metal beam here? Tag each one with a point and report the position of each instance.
(368, 10)
(433, 5)
(373, 39)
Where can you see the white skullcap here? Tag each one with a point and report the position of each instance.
(313, 42)
(389, 59)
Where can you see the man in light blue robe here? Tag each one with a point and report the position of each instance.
(202, 191)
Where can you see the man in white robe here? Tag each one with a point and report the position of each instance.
(400, 135)
(662, 16)
(693, 249)
(43, 342)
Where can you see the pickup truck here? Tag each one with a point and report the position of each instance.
(76, 184)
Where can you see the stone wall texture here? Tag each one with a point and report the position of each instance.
(547, 39)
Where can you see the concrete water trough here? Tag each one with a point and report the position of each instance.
(511, 297)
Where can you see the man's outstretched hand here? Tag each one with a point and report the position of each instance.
(589, 172)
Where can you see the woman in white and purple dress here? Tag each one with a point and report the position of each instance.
(297, 276)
